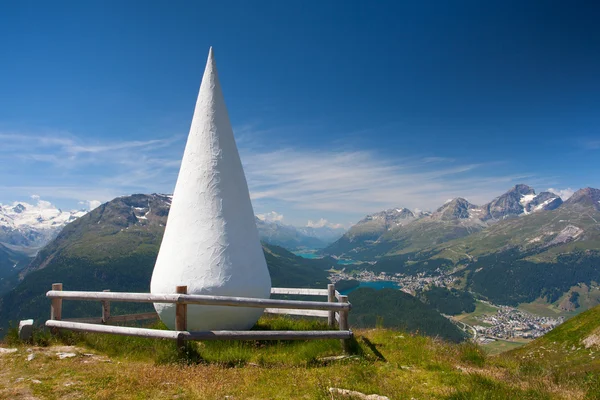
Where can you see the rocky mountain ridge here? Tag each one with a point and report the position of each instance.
(401, 229)
(26, 228)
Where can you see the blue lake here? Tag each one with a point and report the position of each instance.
(375, 285)
(313, 255)
(307, 254)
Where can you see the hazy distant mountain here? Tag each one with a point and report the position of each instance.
(291, 237)
(326, 234)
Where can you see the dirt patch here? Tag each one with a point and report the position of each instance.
(591, 341)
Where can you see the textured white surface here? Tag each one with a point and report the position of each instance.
(211, 243)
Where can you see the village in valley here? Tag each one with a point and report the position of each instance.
(503, 323)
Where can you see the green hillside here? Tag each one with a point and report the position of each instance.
(390, 308)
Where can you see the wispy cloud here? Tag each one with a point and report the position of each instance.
(322, 223)
(562, 193)
(271, 216)
(61, 165)
(589, 143)
(363, 181)
(298, 182)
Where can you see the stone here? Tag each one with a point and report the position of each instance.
(26, 329)
(4, 350)
(30, 357)
(356, 395)
(211, 243)
(62, 356)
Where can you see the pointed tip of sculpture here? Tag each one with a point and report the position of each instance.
(210, 62)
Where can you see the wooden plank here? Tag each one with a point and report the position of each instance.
(132, 317)
(116, 318)
(331, 299)
(344, 324)
(300, 291)
(181, 311)
(337, 295)
(105, 309)
(181, 317)
(56, 306)
(210, 335)
(115, 330)
(198, 299)
(96, 320)
(267, 335)
(308, 313)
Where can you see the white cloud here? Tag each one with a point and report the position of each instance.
(90, 204)
(562, 193)
(272, 216)
(323, 223)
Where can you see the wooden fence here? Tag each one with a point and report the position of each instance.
(335, 309)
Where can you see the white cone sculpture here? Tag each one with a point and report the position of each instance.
(211, 242)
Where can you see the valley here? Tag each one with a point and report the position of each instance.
(502, 273)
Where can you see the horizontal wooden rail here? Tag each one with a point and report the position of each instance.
(198, 299)
(297, 291)
(334, 311)
(267, 335)
(116, 318)
(306, 313)
(209, 335)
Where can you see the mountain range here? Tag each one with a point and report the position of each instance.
(519, 248)
(401, 230)
(115, 247)
(28, 227)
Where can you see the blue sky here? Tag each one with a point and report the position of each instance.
(340, 108)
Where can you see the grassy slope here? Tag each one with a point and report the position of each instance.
(386, 362)
(564, 349)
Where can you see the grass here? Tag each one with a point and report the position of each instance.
(385, 362)
(481, 308)
(500, 346)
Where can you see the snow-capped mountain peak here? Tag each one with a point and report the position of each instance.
(33, 225)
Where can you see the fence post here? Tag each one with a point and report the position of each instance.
(181, 317)
(105, 309)
(56, 307)
(344, 324)
(331, 299)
